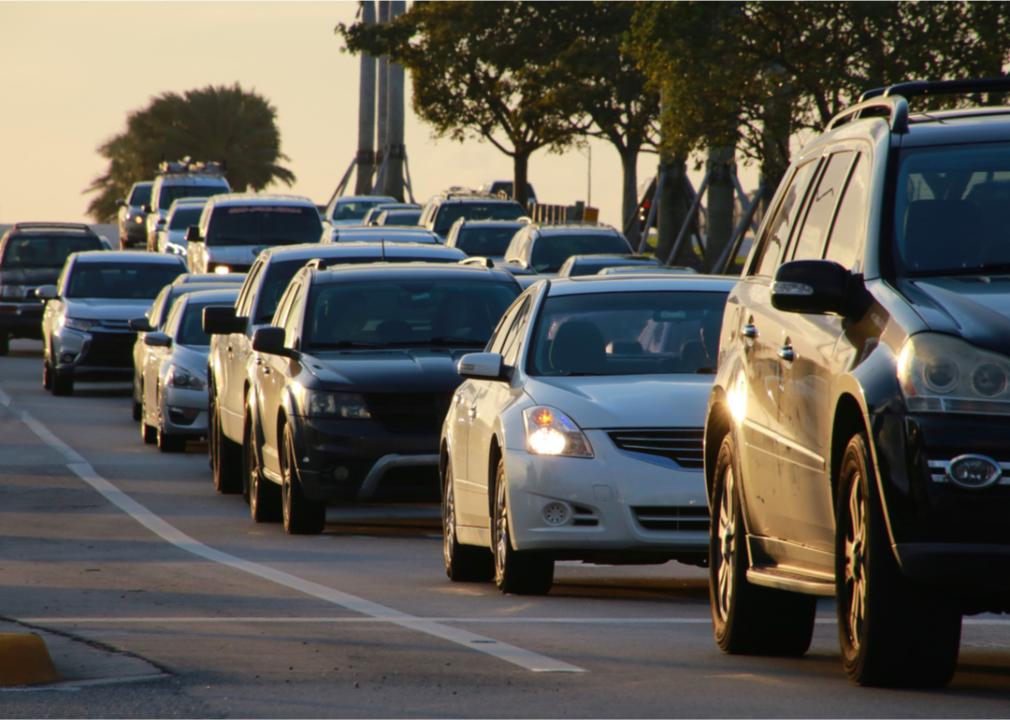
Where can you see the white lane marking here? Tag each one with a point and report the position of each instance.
(75, 685)
(526, 659)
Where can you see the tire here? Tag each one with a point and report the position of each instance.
(225, 456)
(138, 409)
(891, 632)
(148, 433)
(5, 344)
(63, 384)
(264, 496)
(463, 563)
(169, 443)
(47, 374)
(300, 515)
(521, 573)
(747, 619)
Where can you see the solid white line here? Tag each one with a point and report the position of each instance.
(79, 466)
(74, 685)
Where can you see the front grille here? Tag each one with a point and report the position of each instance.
(409, 412)
(110, 350)
(683, 446)
(684, 518)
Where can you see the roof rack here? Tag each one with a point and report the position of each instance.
(53, 226)
(895, 108)
(478, 261)
(187, 166)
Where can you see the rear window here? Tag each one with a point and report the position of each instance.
(453, 211)
(551, 251)
(133, 281)
(486, 241)
(170, 193)
(185, 217)
(190, 330)
(141, 195)
(40, 251)
(263, 225)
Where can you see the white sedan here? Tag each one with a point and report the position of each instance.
(577, 435)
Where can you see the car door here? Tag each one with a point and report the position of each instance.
(272, 371)
(812, 359)
(750, 326)
(233, 354)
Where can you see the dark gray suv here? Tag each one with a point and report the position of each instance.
(857, 443)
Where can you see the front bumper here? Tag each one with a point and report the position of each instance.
(21, 318)
(618, 502)
(358, 459)
(94, 355)
(184, 412)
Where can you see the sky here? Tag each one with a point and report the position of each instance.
(71, 71)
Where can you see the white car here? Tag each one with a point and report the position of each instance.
(174, 399)
(577, 435)
(182, 214)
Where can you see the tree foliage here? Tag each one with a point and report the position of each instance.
(224, 124)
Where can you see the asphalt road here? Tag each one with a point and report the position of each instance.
(159, 598)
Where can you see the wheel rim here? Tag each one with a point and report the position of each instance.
(253, 473)
(726, 534)
(448, 519)
(212, 444)
(286, 482)
(501, 528)
(855, 561)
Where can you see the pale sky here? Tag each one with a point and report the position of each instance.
(70, 73)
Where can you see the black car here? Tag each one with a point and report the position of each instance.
(579, 265)
(31, 255)
(857, 443)
(354, 377)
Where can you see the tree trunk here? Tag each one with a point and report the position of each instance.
(520, 176)
(777, 121)
(392, 183)
(381, 165)
(672, 208)
(721, 196)
(366, 113)
(629, 195)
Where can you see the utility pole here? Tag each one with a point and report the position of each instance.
(380, 154)
(366, 112)
(392, 181)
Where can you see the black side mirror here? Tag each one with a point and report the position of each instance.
(193, 234)
(270, 340)
(222, 320)
(141, 324)
(817, 287)
(146, 207)
(157, 339)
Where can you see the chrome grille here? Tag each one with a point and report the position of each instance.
(683, 445)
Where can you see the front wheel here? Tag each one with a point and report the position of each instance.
(63, 384)
(463, 563)
(747, 619)
(522, 573)
(301, 516)
(891, 632)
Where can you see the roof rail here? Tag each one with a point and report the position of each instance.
(916, 88)
(478, 261)
(52, 226)
(896, 109)
(317, 263)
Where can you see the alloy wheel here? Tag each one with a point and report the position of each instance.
(727, 544)
(501, 538)
(855, 562)
(448, 521)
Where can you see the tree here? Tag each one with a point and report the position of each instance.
(479, 70)
(223, 124)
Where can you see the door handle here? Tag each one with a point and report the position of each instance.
(230, 348)
(259, 361)
(749, 331)
(786, 353)
(266, 370)
(472, 412)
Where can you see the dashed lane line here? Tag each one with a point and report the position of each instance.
(79, 465)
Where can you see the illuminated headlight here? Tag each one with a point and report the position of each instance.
(222, 269)
(13, 291)
(940, 373)
(138, 219)
(80, 324)
(179, 377)
(346, 406)
(551, 432)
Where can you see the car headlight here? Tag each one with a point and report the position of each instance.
(179, 377)
(940, 373)
(79, 324)
(346, 406)
(13, 291)
(222, 269)
(551, 432)
(138, 219)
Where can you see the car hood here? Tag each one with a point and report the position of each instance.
(406, 370)
(235, 254)
(191, 357)
(30, 276)
(106, 308)
(976, 308)
(616, 401)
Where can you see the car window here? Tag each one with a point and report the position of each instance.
(190, 326)
(849, 231)
(810, 242)
(159, 309)
(275, 281)
(497, 339)
(776, 233)
(551, 250)
(184, 217)
(169, 193)
(136, 281)
(263, 225)
(283, 307)
(513, 342)
(489, 241)
(141, 195)
(451, 212)
(40, 251)
(245, 296)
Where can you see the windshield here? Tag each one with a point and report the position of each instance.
(184, 217)
(190, 330)
(951, 210)
(263, 225)
(39, 251)
(405, 312)
(141, 195)
(486, 241)
(355, 210)
(551, 251)
(453, 211)
(640, 333)
(400, 217)
(170, 193)
(136, 281)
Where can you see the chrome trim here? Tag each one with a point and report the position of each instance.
(941, 472)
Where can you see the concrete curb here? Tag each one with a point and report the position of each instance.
(25, 660)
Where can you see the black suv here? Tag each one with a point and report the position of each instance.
(354, 377)
(445, 209)
(31, 255)
(856, 443)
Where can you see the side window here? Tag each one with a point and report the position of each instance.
(848, 235)
(243, 306)
(513, 340)
(810, 243)
(497, 340)
(776, 234)
(292, 324)
(283, 306)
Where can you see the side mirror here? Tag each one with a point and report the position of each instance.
(817, 287)
(146, 207)
(482, 366)
(46, 292)
(222, 320)
(193, 234)
(157, 339)
(141, 324)
(270, 340)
